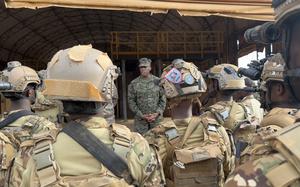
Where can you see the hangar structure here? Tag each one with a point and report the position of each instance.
(205, 32)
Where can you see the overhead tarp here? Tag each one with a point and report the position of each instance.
(246, 9)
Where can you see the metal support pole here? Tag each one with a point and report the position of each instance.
(124, 91)
(159, 67)
(268, 50)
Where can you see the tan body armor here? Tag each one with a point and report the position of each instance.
(194, 152)
(275, 120)
(277, 168)
(12, 136)
(72, 165)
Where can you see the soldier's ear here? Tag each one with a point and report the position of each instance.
(280, 89)
(31, 93)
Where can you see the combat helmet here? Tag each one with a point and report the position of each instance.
(274, 69)
(285, 9)
(182, 79)
(80, 73)
(15, 78)
(227, 77)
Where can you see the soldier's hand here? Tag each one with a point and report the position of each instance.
(147, 117)
(153, 117)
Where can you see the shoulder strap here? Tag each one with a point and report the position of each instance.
(190, 129)
(14, 116)
(99, 150)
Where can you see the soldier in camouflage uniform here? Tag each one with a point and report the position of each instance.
(146, 98)
(82, 77)
(195, 150)
(280, 166)
(283, 108)
(20, 125)
(240, 118)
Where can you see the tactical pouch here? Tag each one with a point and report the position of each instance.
(287, 143)
(197, 167)
(7, 152)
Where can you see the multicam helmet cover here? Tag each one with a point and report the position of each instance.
(182, 79)
(227, 77)
(274, 69)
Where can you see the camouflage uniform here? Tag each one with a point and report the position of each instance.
(44, 161)
(68, 169)
(109, 108)
(145, 96)
(273, 169)
(280, 166)
(20, 131)
(50, 109)
(195, 151)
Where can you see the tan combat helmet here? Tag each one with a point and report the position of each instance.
(182, 79)
(80, 73)
(227, 77)
(274, 70)
(18, 77)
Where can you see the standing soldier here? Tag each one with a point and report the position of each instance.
(195, 150)
(283, 108)
(146, 98)
(280, 166)
(87, 151)
(18, 84)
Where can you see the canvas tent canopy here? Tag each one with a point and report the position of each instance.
(245, 9)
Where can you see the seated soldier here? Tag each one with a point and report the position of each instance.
(18, 84)
(194, 150)
(87, 151)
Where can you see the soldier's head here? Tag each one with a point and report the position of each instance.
(182, 81)
(274, 87)
(287, 19)
(145, 67)
(225, 80)
(82, 78)
(241, 94)
(19, 82)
